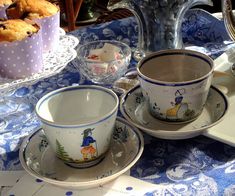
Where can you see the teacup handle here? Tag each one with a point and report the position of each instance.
(221, 74)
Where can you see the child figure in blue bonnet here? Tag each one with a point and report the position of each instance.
(88, 151)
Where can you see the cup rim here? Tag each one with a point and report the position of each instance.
(104, 41)
(175, 51)
(94, 121)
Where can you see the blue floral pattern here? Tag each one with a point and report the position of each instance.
(199, 28)
(197, 166)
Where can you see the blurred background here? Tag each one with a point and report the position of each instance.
(101, 5)
(76, 13)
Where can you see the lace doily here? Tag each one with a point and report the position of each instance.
(53, 63)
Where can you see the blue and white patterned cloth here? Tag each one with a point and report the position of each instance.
(197, 166)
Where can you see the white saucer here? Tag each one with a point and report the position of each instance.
(39, 160)
(134, 108)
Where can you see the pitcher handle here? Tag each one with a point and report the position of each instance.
(229, 19)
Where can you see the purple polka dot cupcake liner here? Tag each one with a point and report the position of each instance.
(20, 59)
(3, 12)
(50, 31)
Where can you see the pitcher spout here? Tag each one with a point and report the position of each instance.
(229, 19)
(132, 6)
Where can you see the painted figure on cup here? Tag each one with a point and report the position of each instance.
(179, 106)
(181, 109)
(88, 150)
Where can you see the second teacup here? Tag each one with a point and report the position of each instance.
(78, 122)
(176, 83)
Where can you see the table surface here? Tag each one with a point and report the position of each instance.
(188, 167)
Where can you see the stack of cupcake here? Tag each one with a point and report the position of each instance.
(31, 28)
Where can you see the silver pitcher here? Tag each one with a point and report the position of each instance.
(159, 21)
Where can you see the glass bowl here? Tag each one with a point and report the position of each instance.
(103, 61)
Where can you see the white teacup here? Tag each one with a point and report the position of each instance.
(78, 122)
(176, 83)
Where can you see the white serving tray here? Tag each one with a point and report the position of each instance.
(225, 130)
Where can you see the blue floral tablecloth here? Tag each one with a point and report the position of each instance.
(197, 166)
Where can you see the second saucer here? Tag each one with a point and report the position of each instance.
(135, 109)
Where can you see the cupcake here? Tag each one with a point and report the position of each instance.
(5, 2)
(20, 49)
(42, 12)
(3, 6)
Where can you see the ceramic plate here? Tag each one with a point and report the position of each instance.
(38, 159)
(134, 108)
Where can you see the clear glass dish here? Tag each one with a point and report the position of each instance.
(103, 72)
